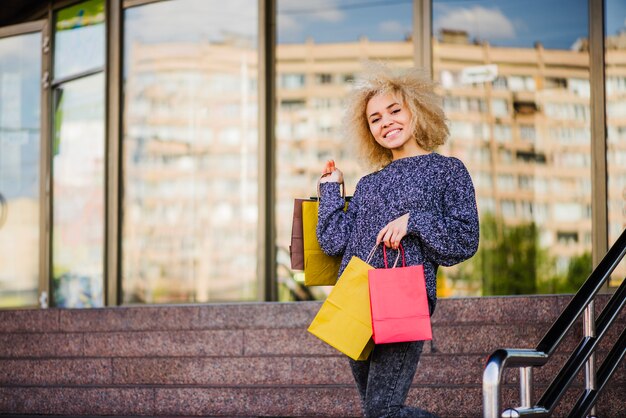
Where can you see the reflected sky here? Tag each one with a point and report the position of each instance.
(330, 21)
(192, 21)
(615, 16)
(557, 24)
(20, 63)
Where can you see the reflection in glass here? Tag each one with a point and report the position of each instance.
(615, 74)
(78, 193)
(20, 73)
(528, 148)
(190, 207)
(320, 49)
(79, 38)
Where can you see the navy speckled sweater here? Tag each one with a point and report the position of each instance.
(438, 194)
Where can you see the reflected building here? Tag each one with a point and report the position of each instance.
(190, 199)
(615, 74)
(519, 120)
(187, 220)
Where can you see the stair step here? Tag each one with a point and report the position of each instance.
(464, 338)
(333, 401)
(319, 370)
(257, 359)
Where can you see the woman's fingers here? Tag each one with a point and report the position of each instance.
(388, 237)
(380, 236)
(393, 232)
(329, 167)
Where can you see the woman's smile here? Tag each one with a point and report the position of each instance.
(392, 134)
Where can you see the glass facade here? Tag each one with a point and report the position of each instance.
(315, 64)
(191, 143)
(615, 90)
(517, 95)
(190, 152)
(20, 126)
(79, 39)
(78, 157)
(78, 190)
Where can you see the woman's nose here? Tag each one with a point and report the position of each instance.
(387, 121)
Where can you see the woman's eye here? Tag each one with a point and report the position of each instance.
(374, 120)
(396, 110)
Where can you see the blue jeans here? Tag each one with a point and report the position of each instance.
(384, 379)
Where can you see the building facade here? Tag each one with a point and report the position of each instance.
(150, 151)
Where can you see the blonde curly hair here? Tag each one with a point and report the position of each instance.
(415, 89)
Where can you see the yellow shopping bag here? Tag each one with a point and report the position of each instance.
(319, 269)
(344, 321)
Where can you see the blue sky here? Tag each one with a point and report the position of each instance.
(615, 16)
(521, 23)
(555, 23)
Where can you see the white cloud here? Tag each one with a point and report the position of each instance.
(287, 23)
(393, 27)
(296, 16)
(480, 22)
(171, 21)
(320, 10)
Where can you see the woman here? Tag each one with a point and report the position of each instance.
(416, 196)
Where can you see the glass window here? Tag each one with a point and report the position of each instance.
(534, 71)
(291, 81)
(615, 72)
(527, 133)
(325, 43)
(499, 107)
(190, 151)
(78, 191)
(79, 39)
(20, 75)
(324, 78)
(78, 156)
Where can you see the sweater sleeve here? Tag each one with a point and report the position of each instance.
(451, 237)
(334, 224)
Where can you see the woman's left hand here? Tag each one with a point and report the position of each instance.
(393, 232)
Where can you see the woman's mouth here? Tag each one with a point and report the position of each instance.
(392, 134)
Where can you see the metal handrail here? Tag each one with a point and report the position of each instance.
(606, 370)
(528, 358)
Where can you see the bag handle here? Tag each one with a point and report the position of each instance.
(342, 186)
(400, 250)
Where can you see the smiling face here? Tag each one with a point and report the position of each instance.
(390, 124)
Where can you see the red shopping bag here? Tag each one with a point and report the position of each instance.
(399, 303)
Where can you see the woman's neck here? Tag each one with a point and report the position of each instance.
(412, 151)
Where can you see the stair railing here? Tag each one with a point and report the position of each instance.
(526, 359)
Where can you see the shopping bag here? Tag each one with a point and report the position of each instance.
(344, 320)
(296, 249)
(319, 269)
(399, 303)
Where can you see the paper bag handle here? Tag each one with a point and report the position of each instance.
(400, 250)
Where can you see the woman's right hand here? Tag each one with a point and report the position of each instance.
(331, 174)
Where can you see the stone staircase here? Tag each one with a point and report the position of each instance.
(256, 359)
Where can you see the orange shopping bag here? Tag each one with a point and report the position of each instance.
(399, 303)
